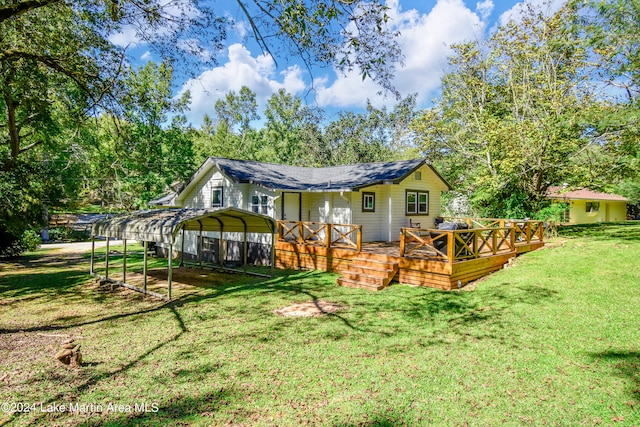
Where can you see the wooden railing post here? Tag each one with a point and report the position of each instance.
(300, 232)
(402, 242)
(451, 243)
(359, 238)
(494, 238)
(328, 234)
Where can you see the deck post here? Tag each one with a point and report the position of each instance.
(494, 236)
(144, 265)
(300, 232)
(329, 235)
(359, 238)
(451, 243)
(170, 273)
(402, 242)
(106, 272)
(124, 261)
(93, 249)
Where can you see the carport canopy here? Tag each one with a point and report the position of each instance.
(163, 225)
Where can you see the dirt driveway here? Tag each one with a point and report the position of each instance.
(77, 247)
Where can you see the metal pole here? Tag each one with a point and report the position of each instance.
(182, 249)
(144, 264)
(93, 248)
(170, 267)
(200, 245)
(273, 252)
(124, 262)
(106, 273)
(244, 250)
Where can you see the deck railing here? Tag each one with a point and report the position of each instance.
(527, 231)
(457, 245)
(321, 234)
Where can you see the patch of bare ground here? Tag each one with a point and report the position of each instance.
(309, 309)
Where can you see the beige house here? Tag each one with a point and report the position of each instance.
(585, 206)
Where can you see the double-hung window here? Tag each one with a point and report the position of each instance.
(417, 202)
(260, 204)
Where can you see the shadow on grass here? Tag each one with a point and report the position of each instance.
(626, 230)
(178, 411)
(626, 364)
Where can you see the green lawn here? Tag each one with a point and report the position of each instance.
(553, 340)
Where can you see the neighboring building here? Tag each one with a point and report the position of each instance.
(382, 197)
(585, 206)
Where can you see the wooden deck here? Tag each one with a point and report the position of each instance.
(434, 258)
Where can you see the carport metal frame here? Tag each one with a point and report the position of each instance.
(163, 225)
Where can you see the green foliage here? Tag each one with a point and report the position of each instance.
(509, 121)
(30, 240)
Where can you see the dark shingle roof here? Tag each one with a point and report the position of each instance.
(334, 178)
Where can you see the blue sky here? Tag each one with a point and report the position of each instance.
(427, 30)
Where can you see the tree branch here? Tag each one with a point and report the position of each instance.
(13, 9)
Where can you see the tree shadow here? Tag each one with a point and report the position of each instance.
(626, 364)
(178, 411)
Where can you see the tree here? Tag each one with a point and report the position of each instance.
(377, 135)
(510, 117)
(291, 134)
(67, 42)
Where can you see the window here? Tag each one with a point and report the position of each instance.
(368, 202)
(417, 202)
(418, 176)
(217, 199)
(260, 204)
(593, 206)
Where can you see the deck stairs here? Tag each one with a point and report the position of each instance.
(369, 273)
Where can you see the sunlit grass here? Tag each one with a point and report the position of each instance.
(553, 340)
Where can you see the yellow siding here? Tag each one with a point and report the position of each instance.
(609, 211)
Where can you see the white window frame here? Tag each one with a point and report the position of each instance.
(419, 208)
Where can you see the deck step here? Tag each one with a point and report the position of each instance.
(357, 284)
(369, 274)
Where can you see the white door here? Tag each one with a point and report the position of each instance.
(291, 206)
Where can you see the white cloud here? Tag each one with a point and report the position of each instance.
(242, 69)
(127, 37)
(147, 56)
(425, 41)
(484, 8)
(515, 13)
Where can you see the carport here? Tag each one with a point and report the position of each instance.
(164, 226)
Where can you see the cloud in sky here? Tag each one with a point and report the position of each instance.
(241, 69)
(425, 40)
(515, 13)
(484, 8)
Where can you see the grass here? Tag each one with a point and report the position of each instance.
(553, 340)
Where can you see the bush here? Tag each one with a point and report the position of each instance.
(68, 234)
(13, 245)
(30, 240)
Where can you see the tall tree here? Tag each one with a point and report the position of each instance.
(510, 117)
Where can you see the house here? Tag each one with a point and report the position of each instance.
(585, 206)
(382, 197)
